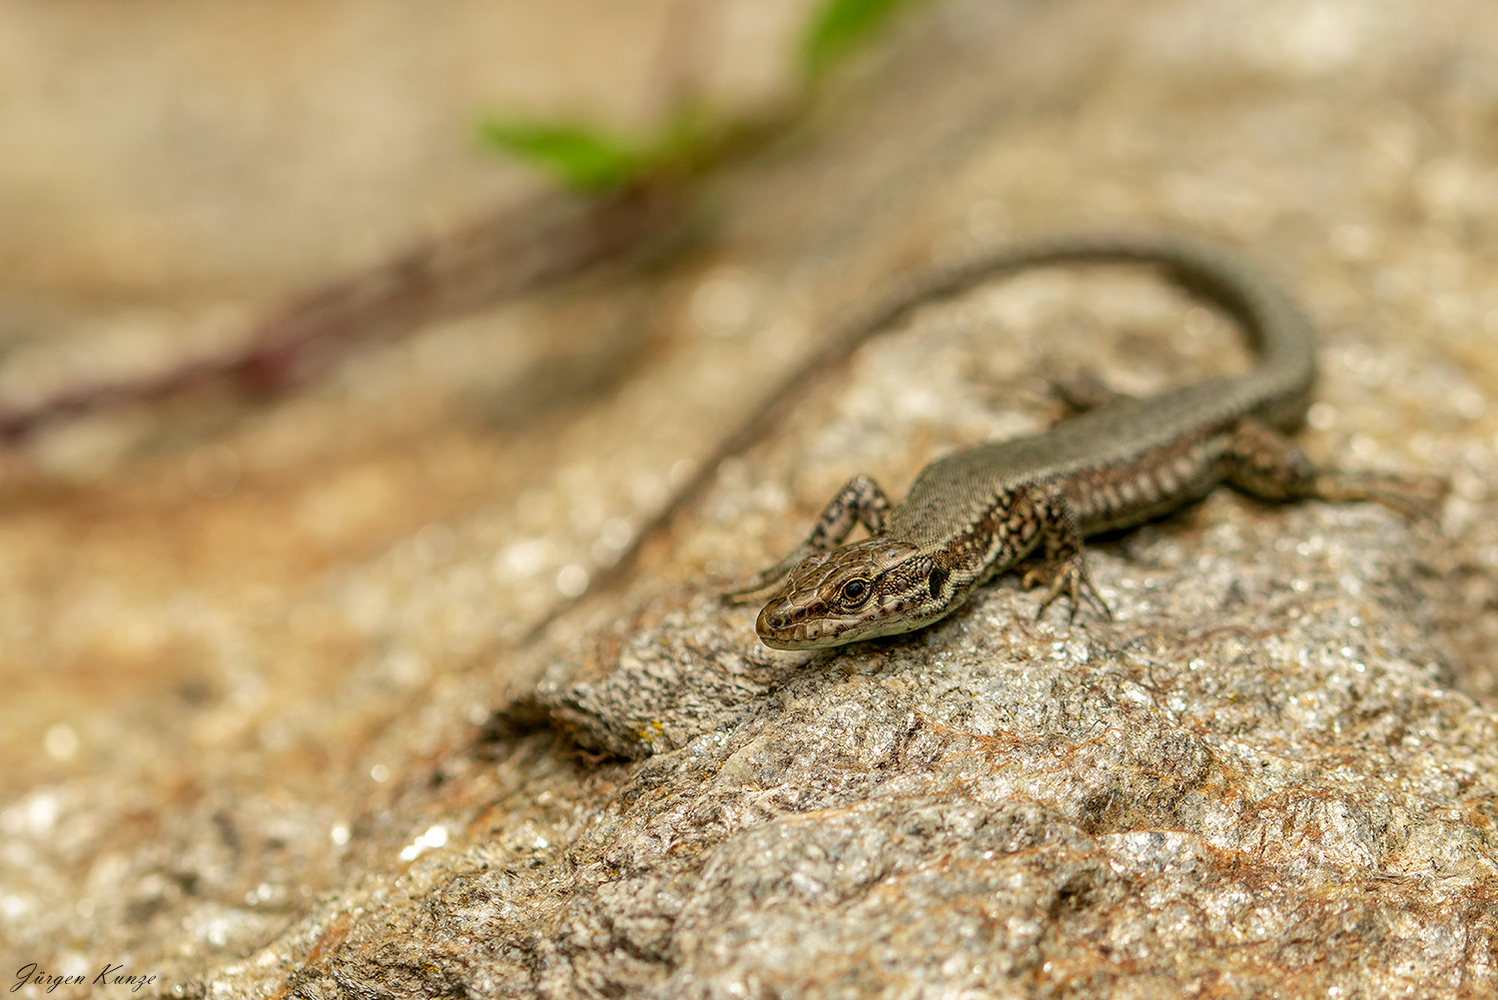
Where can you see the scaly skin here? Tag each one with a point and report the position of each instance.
(979, 512)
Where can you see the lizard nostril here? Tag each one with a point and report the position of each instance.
(775, 621)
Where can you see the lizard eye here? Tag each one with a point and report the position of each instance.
(855, 590)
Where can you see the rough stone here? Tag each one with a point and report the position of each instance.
(285, 742)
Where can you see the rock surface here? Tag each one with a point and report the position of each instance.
(278, 735)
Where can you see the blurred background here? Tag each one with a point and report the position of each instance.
(221, 153)
(342, 342)
(174, 175)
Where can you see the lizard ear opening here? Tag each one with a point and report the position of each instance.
(937, 580)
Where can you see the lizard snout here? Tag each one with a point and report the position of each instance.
(773, 619)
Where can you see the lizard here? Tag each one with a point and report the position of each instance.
(981, 511)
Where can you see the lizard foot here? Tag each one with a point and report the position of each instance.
(1417, 498)
(743, 592)
(1067, 575)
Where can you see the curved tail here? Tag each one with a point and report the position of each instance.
(1272, 321)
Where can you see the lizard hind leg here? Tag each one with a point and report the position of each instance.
(1266, 464)
(860, 501)
(1081, 390)
(1418, 498)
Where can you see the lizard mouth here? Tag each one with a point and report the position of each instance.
(782, 628)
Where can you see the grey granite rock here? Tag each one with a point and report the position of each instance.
(1255, 776)
(1254, 780)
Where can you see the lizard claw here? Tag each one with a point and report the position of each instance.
(743, 592)
(1067, 576)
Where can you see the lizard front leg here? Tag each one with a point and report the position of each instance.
(1063, 566)
(860, 501)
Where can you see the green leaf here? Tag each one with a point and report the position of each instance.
(839, 27)
(582, 158)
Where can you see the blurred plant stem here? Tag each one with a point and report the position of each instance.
(617, 194)
(691, 139)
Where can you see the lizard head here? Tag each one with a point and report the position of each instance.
(872, 588)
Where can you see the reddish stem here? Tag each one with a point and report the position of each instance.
(516, 250)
